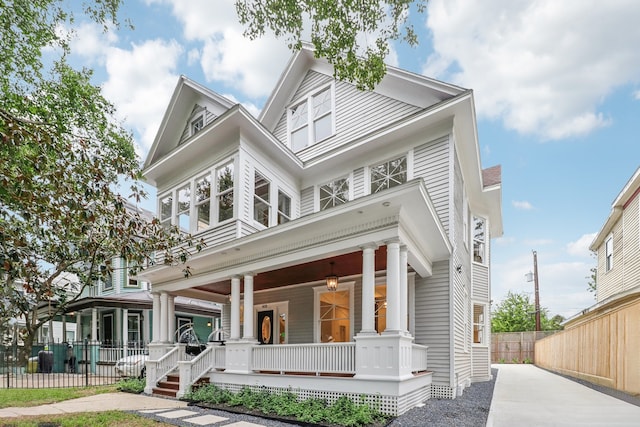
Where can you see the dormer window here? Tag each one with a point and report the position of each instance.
(312, 119)
(197, 124)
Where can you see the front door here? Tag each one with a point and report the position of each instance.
(265, 326)
(271, 322)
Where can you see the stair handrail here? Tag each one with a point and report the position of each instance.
(192, 370)
(157, 369)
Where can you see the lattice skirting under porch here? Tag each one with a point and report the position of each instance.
(391, 405)
(442, 392)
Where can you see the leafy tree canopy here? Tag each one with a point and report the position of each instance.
(516, 313)
(354, 36)
(63, 161)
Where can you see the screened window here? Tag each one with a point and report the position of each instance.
(311, 120)
(224, 194)
(261, 205)
(608, 253)
(335, 316)
(388, 174)
(478, 324)
(284, 208)
(184, 206)
(203, 202)
(334, 193)
(197, 125)
(479, 239)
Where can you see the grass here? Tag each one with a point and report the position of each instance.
(94, 419)
(42, 396)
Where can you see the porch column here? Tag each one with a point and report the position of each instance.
(235, 308)
(125, 330)
(94, 324)
(368, 289)
(164, 303)
(117, 329)
(171, 318)
(404, 296)
(393, 286)
(248, 334)
(156, 317)
(79, 336)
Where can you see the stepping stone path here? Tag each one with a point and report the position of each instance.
(195, 418)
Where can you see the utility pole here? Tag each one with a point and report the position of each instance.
(534, 277)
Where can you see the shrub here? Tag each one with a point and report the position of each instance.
(132, 385)
(209, 393)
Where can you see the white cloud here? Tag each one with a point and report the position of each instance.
(522, 205)
(225, 54)
(581, 246)
(140, 82)
(542, 67)
(636, 95)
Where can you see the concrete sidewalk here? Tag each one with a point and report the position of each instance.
(96, 403)
(525, 395)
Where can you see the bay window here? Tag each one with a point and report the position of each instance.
(224, 193)
(261, 205)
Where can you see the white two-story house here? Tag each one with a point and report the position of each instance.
(347, 235)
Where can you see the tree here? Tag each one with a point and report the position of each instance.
(354, 36)
(64, 160)
(516, 313)
(592, 279)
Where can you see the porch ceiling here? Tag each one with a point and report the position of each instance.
(300, 251)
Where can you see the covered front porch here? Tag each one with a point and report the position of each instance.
(285, 328)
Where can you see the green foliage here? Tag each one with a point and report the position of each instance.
(501, 360)
(23, 397)
(64, 160)
(132, 385)
(516, 313)
(515, 360)
(353, 36)
(592, 278)
(343, 412)
(527, 360)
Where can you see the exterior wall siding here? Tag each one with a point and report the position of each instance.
(358, 183)
(480, 288)
(631, 248)
(610, 282)
(432, 320)
(431, 162)
(306, 201)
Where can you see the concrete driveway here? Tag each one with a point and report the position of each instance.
(525, 395)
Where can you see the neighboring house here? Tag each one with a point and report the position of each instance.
(601, 343)
(347, 233)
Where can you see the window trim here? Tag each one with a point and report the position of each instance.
(308, 99)
(197, 117)
(322, 289)
(608, 257)
(349, 180)
(258, 199)
(287, 216)
(407, 177)
(484, 241)
(484, 341)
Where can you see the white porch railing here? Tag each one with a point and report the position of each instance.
(418, 358)
(336, 358)
(115, 352)
(156, 369)
(219, 357)
(192, 370)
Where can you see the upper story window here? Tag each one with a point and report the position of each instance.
(312, 119)
(203, 202)
(478, 324)
(166, 209)
(261, 205)
(224, 193)
(184, 208)
(284, 208)
(479, 239)
(334, 193)
(197, 124)
(388, 174)
(608, 253)
(465, 219)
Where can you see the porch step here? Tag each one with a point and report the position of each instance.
(171, 385)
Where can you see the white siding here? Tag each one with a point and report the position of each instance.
(306, 201)
(631, 249)
(358, 183)
(432, 323)
(431, 162)
(480, 284)
(481, 363)
(610, 282)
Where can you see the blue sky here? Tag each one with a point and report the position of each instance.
(556, 85)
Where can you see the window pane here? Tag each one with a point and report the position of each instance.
(334, 193)
(322, 103)
(183, 221)
(261, 187)
(184, 199)
(284, 207)
(322, 128)
(299, 115)
(203, 215)
(225, 206)
(335, 325)
(478, 239)
(388, 174)
(261, 212)
(299, 139)
(203, 189)
(225, 178)
(478, 324)
(197, 125)
(165, 208)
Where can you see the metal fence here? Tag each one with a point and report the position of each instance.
(64, 364)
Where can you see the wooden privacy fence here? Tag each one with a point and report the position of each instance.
(515, 347)
(602, 347)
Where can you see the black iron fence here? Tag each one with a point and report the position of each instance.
(69, 364)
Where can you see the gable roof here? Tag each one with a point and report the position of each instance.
(402, 85)
(183, 101)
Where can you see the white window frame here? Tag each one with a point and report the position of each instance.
(407, 177)
(319, 290)
(349, 180)
(260, 200)
(308, 99)
(189, 211)
(608, 253)
(138, 331)
(483, 242)
(193, 128)
(197, 204)
(218, 194)
(280, 213)
(482, 325)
